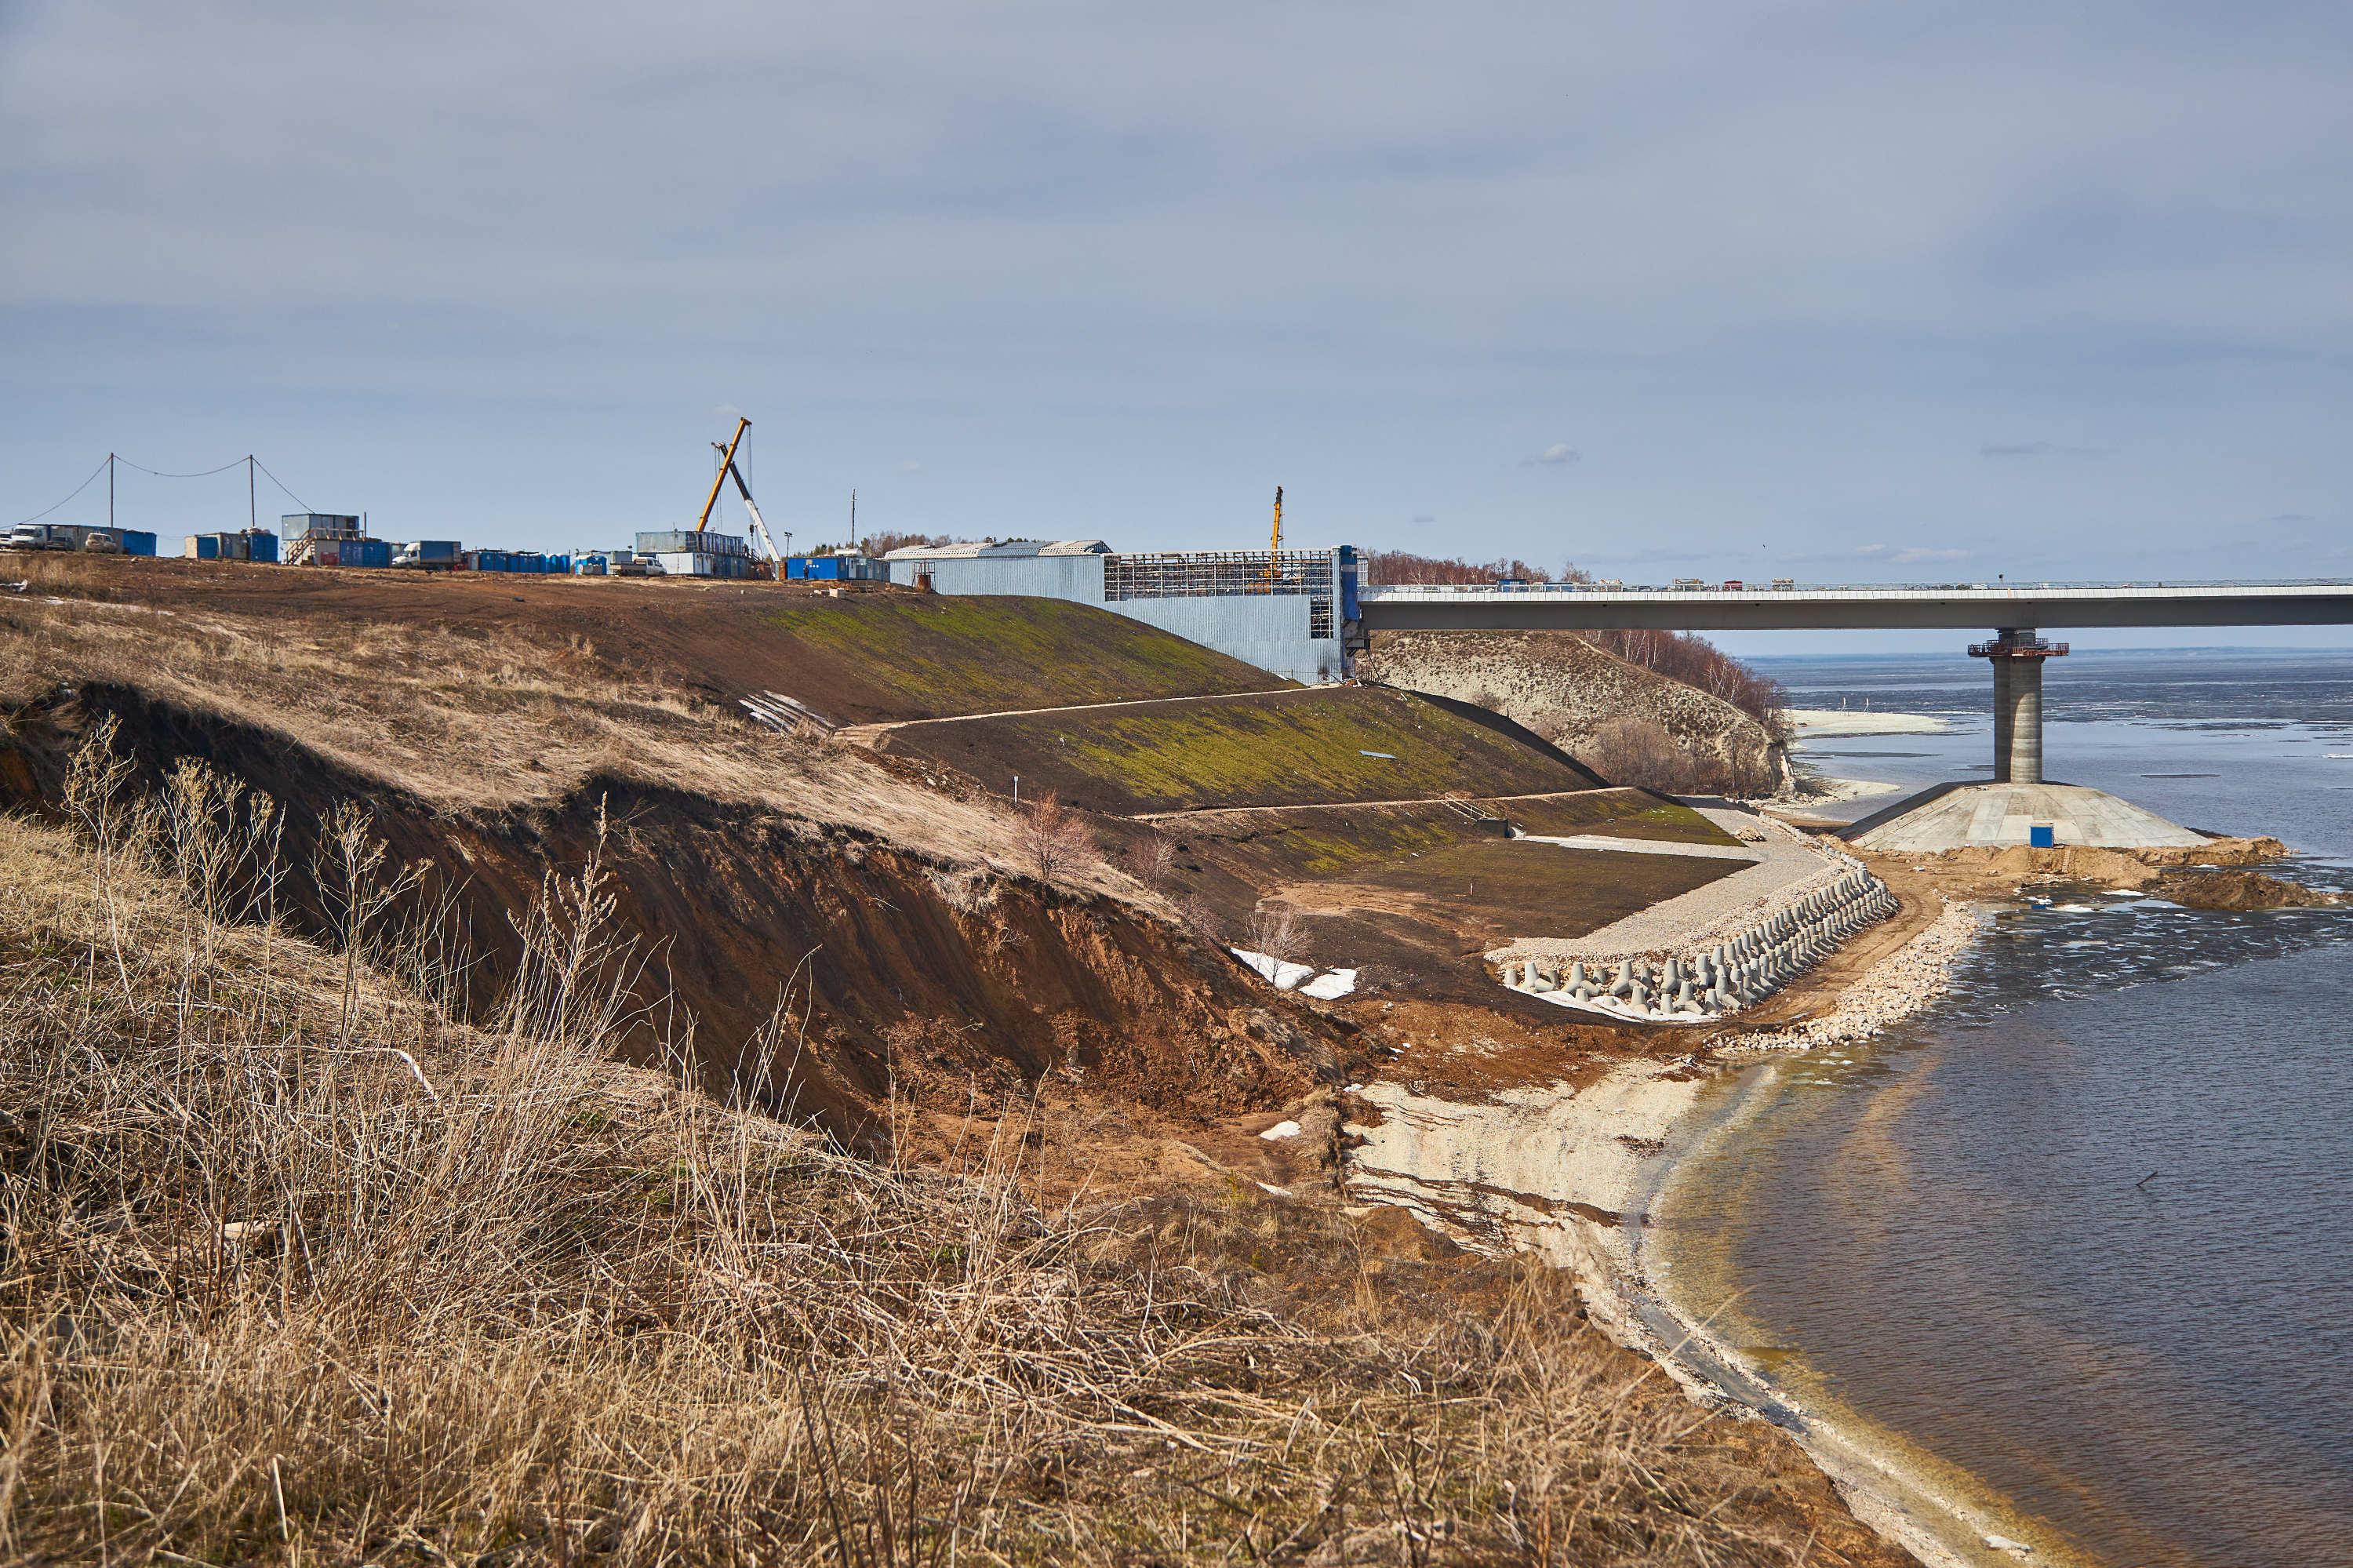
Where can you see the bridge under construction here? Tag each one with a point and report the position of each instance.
(2016, 614)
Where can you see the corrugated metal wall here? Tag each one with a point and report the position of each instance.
(1079, 578)
(1268, 631)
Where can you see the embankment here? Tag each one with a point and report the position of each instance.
(852, 962)
(1600, 708)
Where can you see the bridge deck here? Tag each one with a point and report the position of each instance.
(1542, 606)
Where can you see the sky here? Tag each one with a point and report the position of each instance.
(1838, 291)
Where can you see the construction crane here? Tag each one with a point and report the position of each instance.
(762, 546)
(1274, 550)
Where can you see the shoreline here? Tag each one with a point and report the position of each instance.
(1574, 1174)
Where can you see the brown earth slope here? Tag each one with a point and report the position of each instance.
(867, 654)
(753, 870)
(1574, 694)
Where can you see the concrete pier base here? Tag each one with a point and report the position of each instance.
(2017, 654)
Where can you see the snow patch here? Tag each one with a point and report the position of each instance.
(1283, 975)
(1331, 985)
(1281, 1130)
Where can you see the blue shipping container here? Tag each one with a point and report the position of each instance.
(208, 546)
(135, 543)
(367, 552)
(264, 546)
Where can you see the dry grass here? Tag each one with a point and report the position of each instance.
(466, 725)
(293, 1270)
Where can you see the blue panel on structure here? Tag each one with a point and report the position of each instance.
(2042, 835)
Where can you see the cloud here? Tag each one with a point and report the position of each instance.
(2033, 450)
(2288, 517)
(911, 467)
(1909, 554)
(1423, 519)
(1561, 454)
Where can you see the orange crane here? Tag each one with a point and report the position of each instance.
(727, 462)
(763, 547)
(1274, 550)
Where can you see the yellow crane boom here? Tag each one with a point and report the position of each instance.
(742, 425)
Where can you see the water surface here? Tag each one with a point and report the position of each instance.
(2084, 1231)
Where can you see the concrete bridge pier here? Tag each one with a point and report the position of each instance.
(2017, 654)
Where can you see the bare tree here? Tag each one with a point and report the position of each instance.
(1150, 860)
(1052, 840)
(1274, 931)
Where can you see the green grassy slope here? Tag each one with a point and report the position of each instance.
(877, 656)
(1338, 744)
(1616, 813)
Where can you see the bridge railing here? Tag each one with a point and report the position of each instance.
(1842, 590)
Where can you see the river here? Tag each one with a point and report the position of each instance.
(2079, 1241)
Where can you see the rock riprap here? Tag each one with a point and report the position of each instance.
(1743, 969)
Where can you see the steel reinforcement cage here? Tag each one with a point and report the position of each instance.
(1312, 575)
(1204, 574)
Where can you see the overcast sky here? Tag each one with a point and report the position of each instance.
(1838, 291)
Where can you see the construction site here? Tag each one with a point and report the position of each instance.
(1089, 864)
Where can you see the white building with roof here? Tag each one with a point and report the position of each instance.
(1294, 613)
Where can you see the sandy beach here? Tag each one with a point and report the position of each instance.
(1812, 722)
(1573, 1175)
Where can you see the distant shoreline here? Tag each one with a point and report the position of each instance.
(1826, 722)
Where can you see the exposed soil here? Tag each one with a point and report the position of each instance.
(2238, 890)
(953, 981)
(855, 654)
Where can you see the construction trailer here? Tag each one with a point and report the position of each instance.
(244, 545)
(1293, 612)
(331, 539)
(696, 552)
(835, 570)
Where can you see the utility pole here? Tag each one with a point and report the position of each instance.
(853, 522)
(252, 518)
(110, 490)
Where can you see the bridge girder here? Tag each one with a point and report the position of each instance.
(1389, 610)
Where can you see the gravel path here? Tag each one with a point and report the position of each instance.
(1646, 847)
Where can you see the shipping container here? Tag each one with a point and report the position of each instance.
(701, 564)
(318, 525)
(137, 542)
(689, 541)
(367, 552)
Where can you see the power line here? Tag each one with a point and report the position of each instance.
(281, 485)
(207, 474)
(78, 489)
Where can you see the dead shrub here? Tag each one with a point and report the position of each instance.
(1151, 859)
(1054, 842)
(1274, 930)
